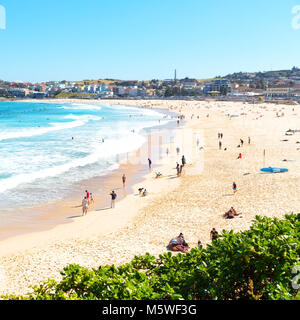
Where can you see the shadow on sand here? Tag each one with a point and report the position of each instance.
(72, 217)
(103, 209)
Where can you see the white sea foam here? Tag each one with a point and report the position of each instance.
(79, 106)
(142, 111)
(39, 131)
(82, 117)
(101, 151)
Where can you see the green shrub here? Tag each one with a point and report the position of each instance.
(253, 264)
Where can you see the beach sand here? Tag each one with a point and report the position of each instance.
(192, 204)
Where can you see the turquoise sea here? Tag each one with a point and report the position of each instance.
(47, 147)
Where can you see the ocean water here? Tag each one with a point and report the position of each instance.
(45, 148)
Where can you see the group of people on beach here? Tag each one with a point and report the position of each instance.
(87, 200)
(179, 244)
(179, 167)
(143, 192)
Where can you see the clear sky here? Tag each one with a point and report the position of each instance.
(145, 39)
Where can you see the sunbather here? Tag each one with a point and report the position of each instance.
(178, 244)
(158, 175)
(231, 214)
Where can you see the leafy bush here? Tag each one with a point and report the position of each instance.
(253, 264)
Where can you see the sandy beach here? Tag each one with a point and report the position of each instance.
(192, 204)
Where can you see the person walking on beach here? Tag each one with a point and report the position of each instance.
(234, 187)
(113, 199)
(242, 142)
(87, 194)
(91, 198)
(124, 180)
(150, 163)
(180, 170)
(249, 140)
(220, 145)
(221, 135)
(183, 161)
(239, 156)
(85, 206)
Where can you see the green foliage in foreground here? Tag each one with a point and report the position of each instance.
(253, 264)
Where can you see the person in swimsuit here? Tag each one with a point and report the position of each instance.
(87, 194)
(183, 161)
(91, 198)
(124, 180)
(234, 187)
(150, 163)
(180, 170)
(85, 206)
(214, 234)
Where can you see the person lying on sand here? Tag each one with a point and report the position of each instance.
(158, 175)
(178, 244)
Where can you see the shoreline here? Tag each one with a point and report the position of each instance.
(46, 216)
(192, 204)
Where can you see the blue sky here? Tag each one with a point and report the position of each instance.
(145, 39)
